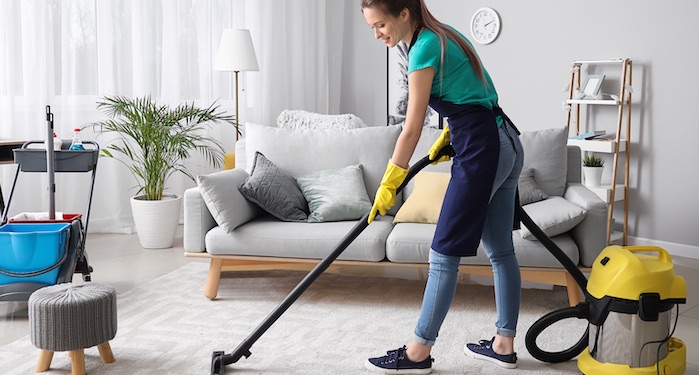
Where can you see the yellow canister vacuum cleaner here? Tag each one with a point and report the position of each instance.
(629, 299)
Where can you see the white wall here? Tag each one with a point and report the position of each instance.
(530, 62)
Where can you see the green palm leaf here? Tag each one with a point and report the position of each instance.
(155, 140)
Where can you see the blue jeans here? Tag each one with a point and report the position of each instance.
(497, 240)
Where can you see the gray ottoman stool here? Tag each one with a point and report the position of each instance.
(71, 317)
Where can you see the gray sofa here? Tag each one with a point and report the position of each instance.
(221, 225)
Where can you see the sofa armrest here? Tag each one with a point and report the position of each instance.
(590, 234)
(198, 221)
(573, 164)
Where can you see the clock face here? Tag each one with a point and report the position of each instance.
(485, 25)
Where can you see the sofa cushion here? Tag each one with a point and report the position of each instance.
(528, 191)
(410, 243)
(545, 153)
(274, 191)
(554, 215)
(425, 202)
(225, 203)
(301, 152)
(334, 195)
(266, 236)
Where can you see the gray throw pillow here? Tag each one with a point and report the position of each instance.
(274, 191)
(229, 208)
(545, 151)
(528, 191)
(335, 195)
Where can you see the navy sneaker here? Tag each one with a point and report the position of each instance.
(396, 362)
(483, 350)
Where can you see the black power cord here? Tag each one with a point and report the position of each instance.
(661, 343)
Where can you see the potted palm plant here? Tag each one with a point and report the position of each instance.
(154, 141)
(592, 169)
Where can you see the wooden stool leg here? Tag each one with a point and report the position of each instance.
(77, 358)
(44, 360)
(105, 352)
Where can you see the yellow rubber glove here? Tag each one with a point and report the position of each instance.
(442, 141)
(386, 194)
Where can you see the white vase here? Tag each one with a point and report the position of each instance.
(592, 176)
(156, 221)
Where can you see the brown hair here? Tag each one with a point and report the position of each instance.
(422, 15)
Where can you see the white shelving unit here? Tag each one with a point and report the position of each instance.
(593, 101)
(616, 191)
(603, 146)
(605, 192)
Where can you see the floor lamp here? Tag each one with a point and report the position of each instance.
(236, 54)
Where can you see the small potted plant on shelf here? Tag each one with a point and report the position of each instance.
(592, 169)
(154, 141)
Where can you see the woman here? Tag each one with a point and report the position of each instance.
(445, 72)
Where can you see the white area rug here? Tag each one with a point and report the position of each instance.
(167, 326)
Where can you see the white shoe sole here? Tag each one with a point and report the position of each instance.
(489, 359)
(378, 370)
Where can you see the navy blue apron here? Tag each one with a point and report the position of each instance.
(474, 135)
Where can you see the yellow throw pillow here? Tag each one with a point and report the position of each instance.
(425, 202)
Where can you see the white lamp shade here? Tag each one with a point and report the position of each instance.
(236, 52)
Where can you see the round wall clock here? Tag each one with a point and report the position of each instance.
(485, 25)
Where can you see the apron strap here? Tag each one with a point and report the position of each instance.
(499, 111)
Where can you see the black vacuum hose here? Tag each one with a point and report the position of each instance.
(568, 264)
(579, 311)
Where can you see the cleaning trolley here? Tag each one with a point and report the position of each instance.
(37, 250)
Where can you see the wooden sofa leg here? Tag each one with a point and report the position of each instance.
(573, 290)
(212, 287)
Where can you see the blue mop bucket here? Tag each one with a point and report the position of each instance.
(32, 252)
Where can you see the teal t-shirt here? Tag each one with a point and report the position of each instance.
(455, 82)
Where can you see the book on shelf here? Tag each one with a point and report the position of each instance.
(606, 137)
(589, 135)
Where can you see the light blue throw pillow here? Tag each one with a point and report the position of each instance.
(335, 195)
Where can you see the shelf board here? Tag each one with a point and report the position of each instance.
(615, 60)
(593, 101)
(598, 145)
(604, 191)
(616, 236)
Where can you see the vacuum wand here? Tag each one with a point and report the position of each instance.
(219, 359)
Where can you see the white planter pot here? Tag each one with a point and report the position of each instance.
(592, 176)
(156, 221)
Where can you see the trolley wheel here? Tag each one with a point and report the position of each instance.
(87, 277)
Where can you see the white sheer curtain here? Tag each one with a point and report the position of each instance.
(67, 54)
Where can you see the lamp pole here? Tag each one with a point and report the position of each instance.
(237, 122)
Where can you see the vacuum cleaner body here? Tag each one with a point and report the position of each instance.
(630, 294)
